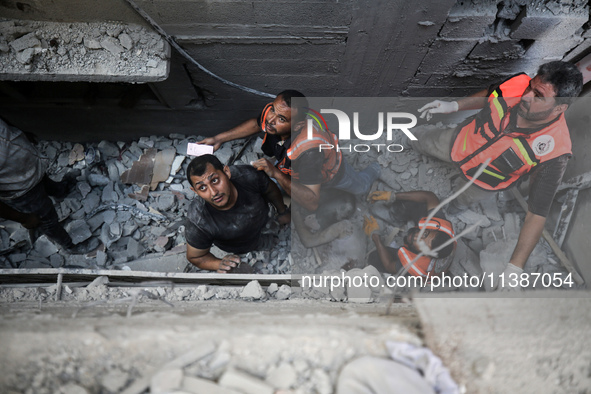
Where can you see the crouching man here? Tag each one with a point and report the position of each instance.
(437, 231)
(231, 212)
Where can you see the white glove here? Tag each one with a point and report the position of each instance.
(438, 107)
(510, 284)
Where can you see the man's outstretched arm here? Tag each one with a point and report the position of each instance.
(245, 129)
(203, 259)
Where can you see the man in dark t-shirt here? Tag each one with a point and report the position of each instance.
(230, 213)
(284, 123)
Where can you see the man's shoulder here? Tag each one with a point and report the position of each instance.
(245, 173)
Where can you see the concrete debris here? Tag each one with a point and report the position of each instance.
(252, 290)
(81, 52)
(244, 383)
(283, 293)
(166, 381)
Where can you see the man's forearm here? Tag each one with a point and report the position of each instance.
(206, 262)
(273, 195)
(530, 234)
(475, 101)
(248, 128)
(384, 256)
(305, 196)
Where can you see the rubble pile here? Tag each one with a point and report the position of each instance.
(140, 222)
(102, 52)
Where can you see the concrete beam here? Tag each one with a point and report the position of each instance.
(97, 52)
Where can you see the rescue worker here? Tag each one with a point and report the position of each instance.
(522, 129)
(438, 230)
(298, 158)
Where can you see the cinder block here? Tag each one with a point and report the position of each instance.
(552, 50)
(537, 22)
(497, 50)
(443, 55)
(469, 20)
(579, 51)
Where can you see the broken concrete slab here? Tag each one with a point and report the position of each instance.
(76, 51)
(141, 171)
(162, 165)
(79, 231)
(244, 382)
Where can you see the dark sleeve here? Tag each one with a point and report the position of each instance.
(309, 167)
(196, 237)
(544, 181)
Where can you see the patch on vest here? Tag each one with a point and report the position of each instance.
(543, 145)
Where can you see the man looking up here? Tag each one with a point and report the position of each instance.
(231, 211)
(297, 158)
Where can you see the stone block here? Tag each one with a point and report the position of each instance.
(252, 290)
(282, 377)
(491, 209)
(108, 149)
(25, 42)
(579, 51)
(443, 55)
(470, 217)
(469, 20)
(44, 247)
(114, 380)
(244, 383)
(166, 381)
(112, 45)
(538, 23)
(134, 249)
(283, 293)
(198, 385)
(552, 50)
(489, 50)
(358, 289)
(79, 231)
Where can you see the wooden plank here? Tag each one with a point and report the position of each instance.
(555, 248)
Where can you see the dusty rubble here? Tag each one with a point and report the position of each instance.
(133, 196)
(140, 229)
(101, 52)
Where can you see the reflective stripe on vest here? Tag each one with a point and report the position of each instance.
(512, 155)
(425, 265)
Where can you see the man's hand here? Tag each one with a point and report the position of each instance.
(211, 141)
(263, 164)
(438, 107)
(285, 217)
(381, 196)
(227, 263)
(370, 225)
(511, 279)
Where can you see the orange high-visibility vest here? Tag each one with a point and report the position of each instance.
(332, 158)
(426, 266)
(283, 163)
(514, 154)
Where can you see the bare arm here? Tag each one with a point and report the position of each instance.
(203, 259)
(248, 128)
(384, 255)
(475, 101)
(420, 196)
(308, 196)
(284, 180)
(530, 233)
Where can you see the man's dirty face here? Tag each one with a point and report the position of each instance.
(538, 102)
(412, 238)
(215, 187)
(278, 120)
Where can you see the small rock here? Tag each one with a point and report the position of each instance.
(252, 290)
(283, 293)
(166, 381)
